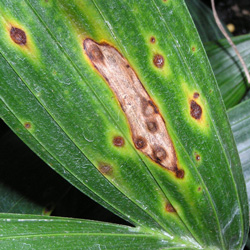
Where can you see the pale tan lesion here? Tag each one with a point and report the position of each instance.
(148, 128)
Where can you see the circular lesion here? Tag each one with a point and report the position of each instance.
(118, 141)
(140, 142)
(18, 36)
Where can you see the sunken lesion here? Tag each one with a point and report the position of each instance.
(105, 169)
(18, 36)
(169, 208)
(148, 129)
(195, 110)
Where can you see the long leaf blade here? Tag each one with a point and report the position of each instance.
(37, 232)
(239, 118)
(83, 112)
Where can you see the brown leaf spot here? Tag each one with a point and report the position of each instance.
(193, 49)
(196, 95)
(140, 143)
(197, 157)
(95, 53)
(105, 169)
(148, 107)
(118, 141)
(27, 125)
(18, 36)
(159, 154)
(170, 208)
(152, 126)
(180, 173)
(152, 39)
(195, 110)
(199, 189)
(158, 61)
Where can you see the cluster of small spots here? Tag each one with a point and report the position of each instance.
(170, 208)
(27, 125)
(105, 169)
(158, 61)
(180, 173)
(195, 110)
(118, 141)
(18, 36)
(152, 39)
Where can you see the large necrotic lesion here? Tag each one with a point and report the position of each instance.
(149, 133)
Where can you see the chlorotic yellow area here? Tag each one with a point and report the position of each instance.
(155, 50)
(189, 92)
(29, 47)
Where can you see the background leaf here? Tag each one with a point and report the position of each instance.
(227, 68)
(204, 21)
(239, 118)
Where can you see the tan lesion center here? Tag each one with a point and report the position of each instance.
(147, 125)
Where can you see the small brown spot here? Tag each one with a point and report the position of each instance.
(18, 36)
(159, 154)
(118, 141)
(170, 208)
(152, 39)
(140, 143)
(127, 66)
(105, 169)
(196, 95)
(180, 173)
(27, 125)
(195, 110)
(148, 107)
(199, 189)
(193, 49)
(158, 61)
(94, 53)
(197, 157)
(152, 126)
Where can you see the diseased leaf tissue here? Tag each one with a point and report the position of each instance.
(147, 125)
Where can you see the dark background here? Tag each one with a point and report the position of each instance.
(236, 12)
(24, 172)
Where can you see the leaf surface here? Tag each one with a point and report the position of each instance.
(59, 102)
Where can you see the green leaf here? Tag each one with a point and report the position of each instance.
(40, 232)
(63, 107)
(239, 118)
(228, 69)
(204, 21)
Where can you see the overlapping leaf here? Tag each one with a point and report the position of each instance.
(228, 69)
(58, 104)
(37, 232)
(239, 118)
